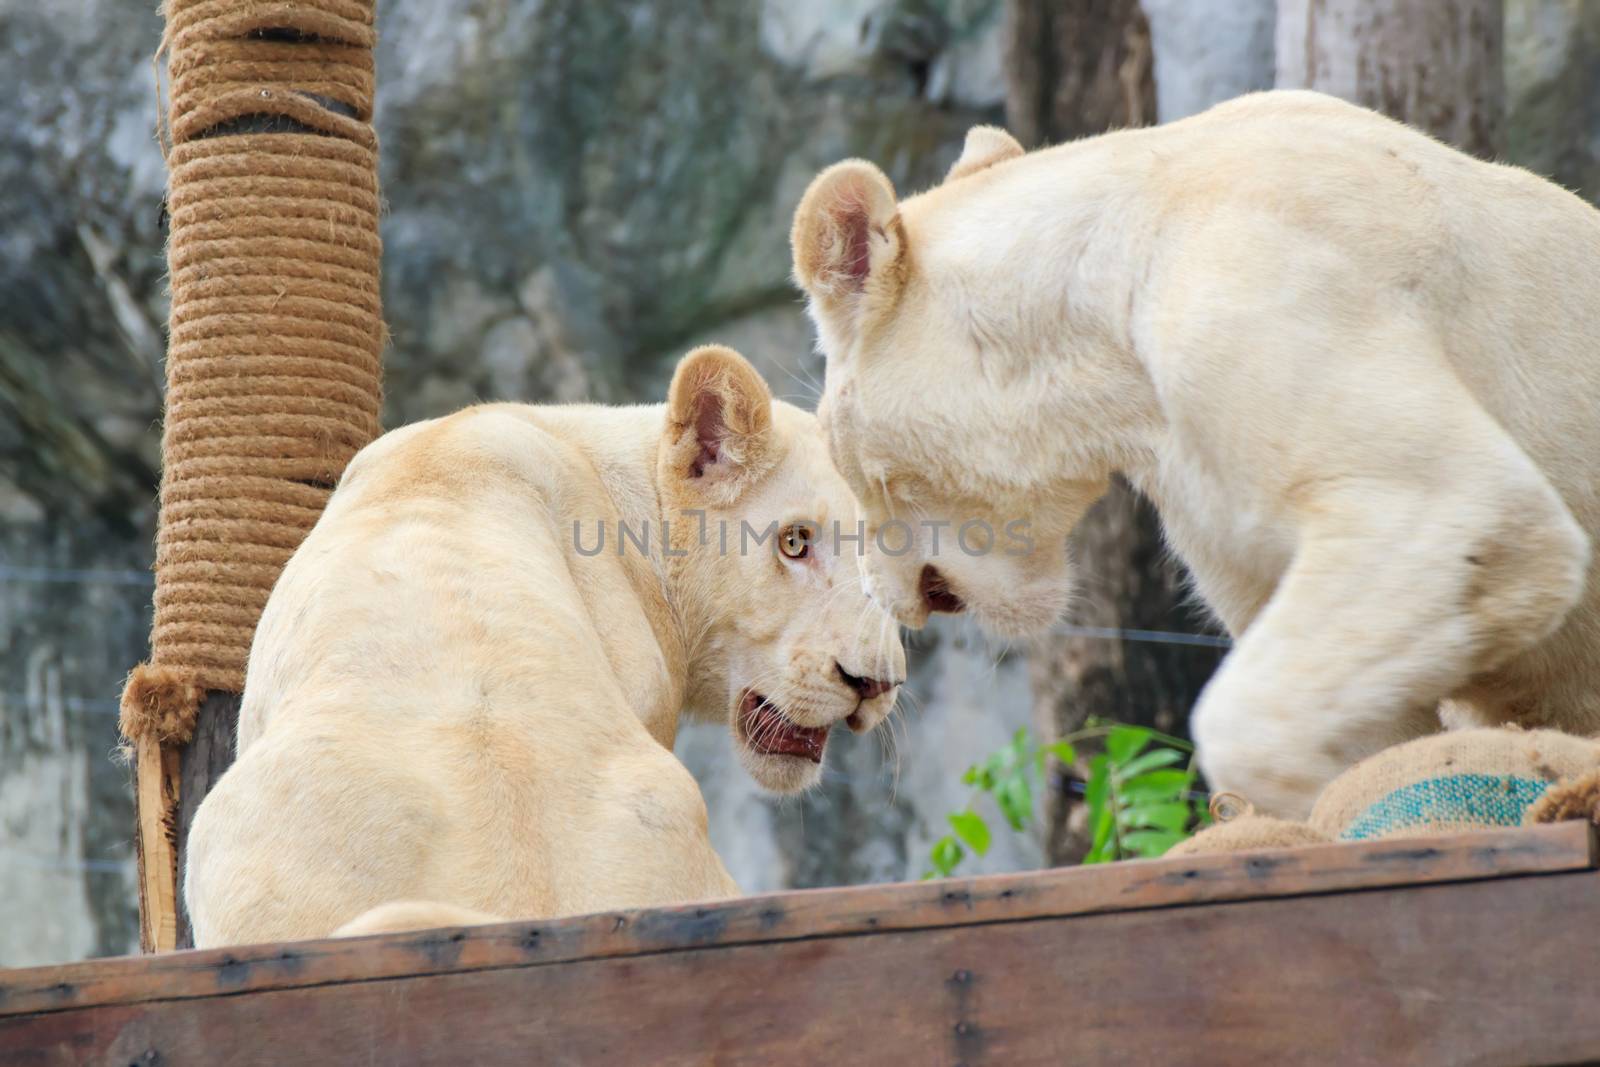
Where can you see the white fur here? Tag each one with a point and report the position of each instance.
(450, 712)
(1357, 371)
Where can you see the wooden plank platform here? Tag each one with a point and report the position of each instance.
(1472, 949)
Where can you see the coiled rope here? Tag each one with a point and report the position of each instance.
(276, 329)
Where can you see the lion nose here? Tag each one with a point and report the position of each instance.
(866, 688)
(936, 592)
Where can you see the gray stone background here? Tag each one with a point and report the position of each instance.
(577, 193)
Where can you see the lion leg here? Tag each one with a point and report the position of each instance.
(1398, 594)
(301, 835)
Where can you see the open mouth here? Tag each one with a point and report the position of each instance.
(770, 731)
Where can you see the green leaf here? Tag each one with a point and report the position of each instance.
(1102, 816)
(971, 828)
(946, 854)
(1097, 788)
(1103, 845)
(1015, 797)
(1063, 751)
(1150, 843)
(1149, 761)
(1125, 742)
(1172, 816)
(1155, 785)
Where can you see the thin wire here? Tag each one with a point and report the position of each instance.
(83, 705)
(1078, 787)
(59, 575)
(41, 861)
(1155, 637)
(74, 576)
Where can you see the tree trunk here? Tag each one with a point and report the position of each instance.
(1128, 583)
(1077, 69)
(1434, 65)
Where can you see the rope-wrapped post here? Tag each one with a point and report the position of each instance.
(273, 367)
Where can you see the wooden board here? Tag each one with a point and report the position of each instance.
(155, 794)
(811, 913)
(1469, 949)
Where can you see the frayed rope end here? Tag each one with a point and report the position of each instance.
(160, 702)
(1575, 798)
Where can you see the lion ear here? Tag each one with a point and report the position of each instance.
(985, 146)
(846, 236)
(719, 422)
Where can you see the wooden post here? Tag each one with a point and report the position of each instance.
(208, 753)
(273, 367)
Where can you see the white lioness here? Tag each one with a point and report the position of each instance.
(1357, 372)
(461, 703)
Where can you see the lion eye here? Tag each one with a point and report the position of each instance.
(795, 542)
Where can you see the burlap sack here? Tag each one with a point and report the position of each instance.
(1246, 833)
(1450, 782)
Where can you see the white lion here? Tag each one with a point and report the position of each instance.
(1357, 372)
(458, 708)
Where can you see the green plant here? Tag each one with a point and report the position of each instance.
(1140, 801)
